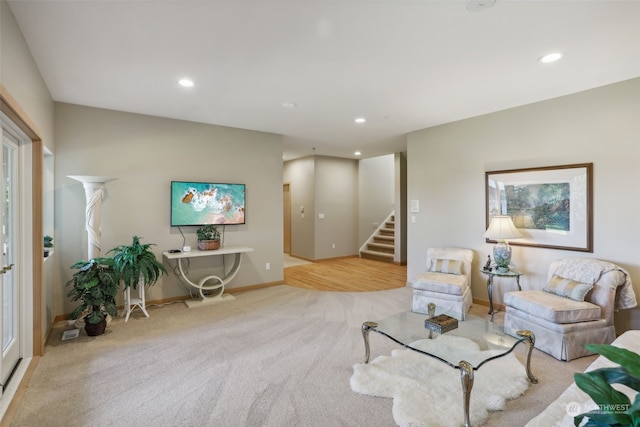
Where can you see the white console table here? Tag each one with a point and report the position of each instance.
(214, 292)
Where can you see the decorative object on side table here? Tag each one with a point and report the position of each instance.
(501, 229)
(487, 266)
(95, 285)
(441, 323)
(208, 237)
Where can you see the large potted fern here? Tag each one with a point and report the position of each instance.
(137, 264)
(95, 285)
(138, 268)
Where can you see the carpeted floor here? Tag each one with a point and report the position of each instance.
(278, 356)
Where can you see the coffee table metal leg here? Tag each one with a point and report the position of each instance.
(466, 375)
(366, 328)
(530, 342)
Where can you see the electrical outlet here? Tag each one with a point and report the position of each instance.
(268, 266)
(333, 246)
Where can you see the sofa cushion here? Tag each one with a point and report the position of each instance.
(448, 266)
(567, 288)
(453, 284)
(551, 307)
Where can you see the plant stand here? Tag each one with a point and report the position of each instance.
(131, 303)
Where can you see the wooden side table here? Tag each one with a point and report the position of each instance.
(495, 273)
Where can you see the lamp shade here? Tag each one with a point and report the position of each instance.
(501, 228)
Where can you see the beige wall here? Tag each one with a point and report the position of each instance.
(21, 77)
(337, 199)
(145, 154)
(446, 166)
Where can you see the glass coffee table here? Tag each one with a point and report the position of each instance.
(408, 327)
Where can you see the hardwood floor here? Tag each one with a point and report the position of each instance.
(353, 274)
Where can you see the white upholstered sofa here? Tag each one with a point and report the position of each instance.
(446, 281)
(563, 325)
(573, 401)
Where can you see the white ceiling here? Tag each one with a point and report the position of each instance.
(403, 65)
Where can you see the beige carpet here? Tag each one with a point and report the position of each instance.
(279, 356)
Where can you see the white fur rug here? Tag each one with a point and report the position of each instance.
(427, 392)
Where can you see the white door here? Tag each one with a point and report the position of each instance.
(9, 290)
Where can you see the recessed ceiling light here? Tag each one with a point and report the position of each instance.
(289, 105)
(357, 153)
(551, 57)
(185, 82)
(360, 120)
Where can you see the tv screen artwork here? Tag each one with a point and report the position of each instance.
(197, 203)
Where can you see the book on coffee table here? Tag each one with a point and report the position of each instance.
(441, 323)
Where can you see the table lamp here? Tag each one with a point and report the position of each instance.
(500, 229)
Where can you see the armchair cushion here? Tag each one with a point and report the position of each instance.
(549, 307)
(448, 266)
(452, 284)
(567, 288)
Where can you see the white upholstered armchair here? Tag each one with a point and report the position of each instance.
(576, 306)
(446, 281)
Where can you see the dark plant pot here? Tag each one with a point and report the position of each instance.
(95, 329)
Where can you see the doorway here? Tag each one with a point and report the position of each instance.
(11, 295)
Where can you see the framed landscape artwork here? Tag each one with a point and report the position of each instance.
(550, 206)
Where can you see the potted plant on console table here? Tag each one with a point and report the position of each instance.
(95, 285)
(208, 237)
(138, 267)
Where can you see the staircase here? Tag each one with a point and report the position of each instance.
(381, 244)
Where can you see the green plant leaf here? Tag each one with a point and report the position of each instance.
(617, 375)
(603, 419)
(95, 316)
(623, 357)
(91, 283)
(111, 308)
(635, 411)
(596, 386)
(599, 390)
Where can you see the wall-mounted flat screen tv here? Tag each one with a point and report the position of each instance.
(197, 203)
